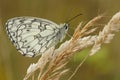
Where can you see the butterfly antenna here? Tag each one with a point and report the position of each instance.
(73, 18)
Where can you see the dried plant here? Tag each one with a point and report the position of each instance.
(51, 64)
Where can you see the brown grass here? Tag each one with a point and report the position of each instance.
(52, 62)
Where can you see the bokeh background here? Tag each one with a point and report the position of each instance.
(105, 65)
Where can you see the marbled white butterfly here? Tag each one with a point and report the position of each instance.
(33, 36)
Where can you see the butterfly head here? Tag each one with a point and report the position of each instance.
(64, 27)
(63, 31)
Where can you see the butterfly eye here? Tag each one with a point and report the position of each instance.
(66, 26)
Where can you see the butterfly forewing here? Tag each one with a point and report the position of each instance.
(32, 36)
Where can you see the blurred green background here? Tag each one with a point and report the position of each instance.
(105, 65)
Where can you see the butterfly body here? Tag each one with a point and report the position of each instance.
(33, 36)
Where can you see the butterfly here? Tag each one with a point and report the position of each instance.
(33, 36)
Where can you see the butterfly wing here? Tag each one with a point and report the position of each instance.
(32, 36)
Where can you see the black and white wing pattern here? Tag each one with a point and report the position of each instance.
(33, 36)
